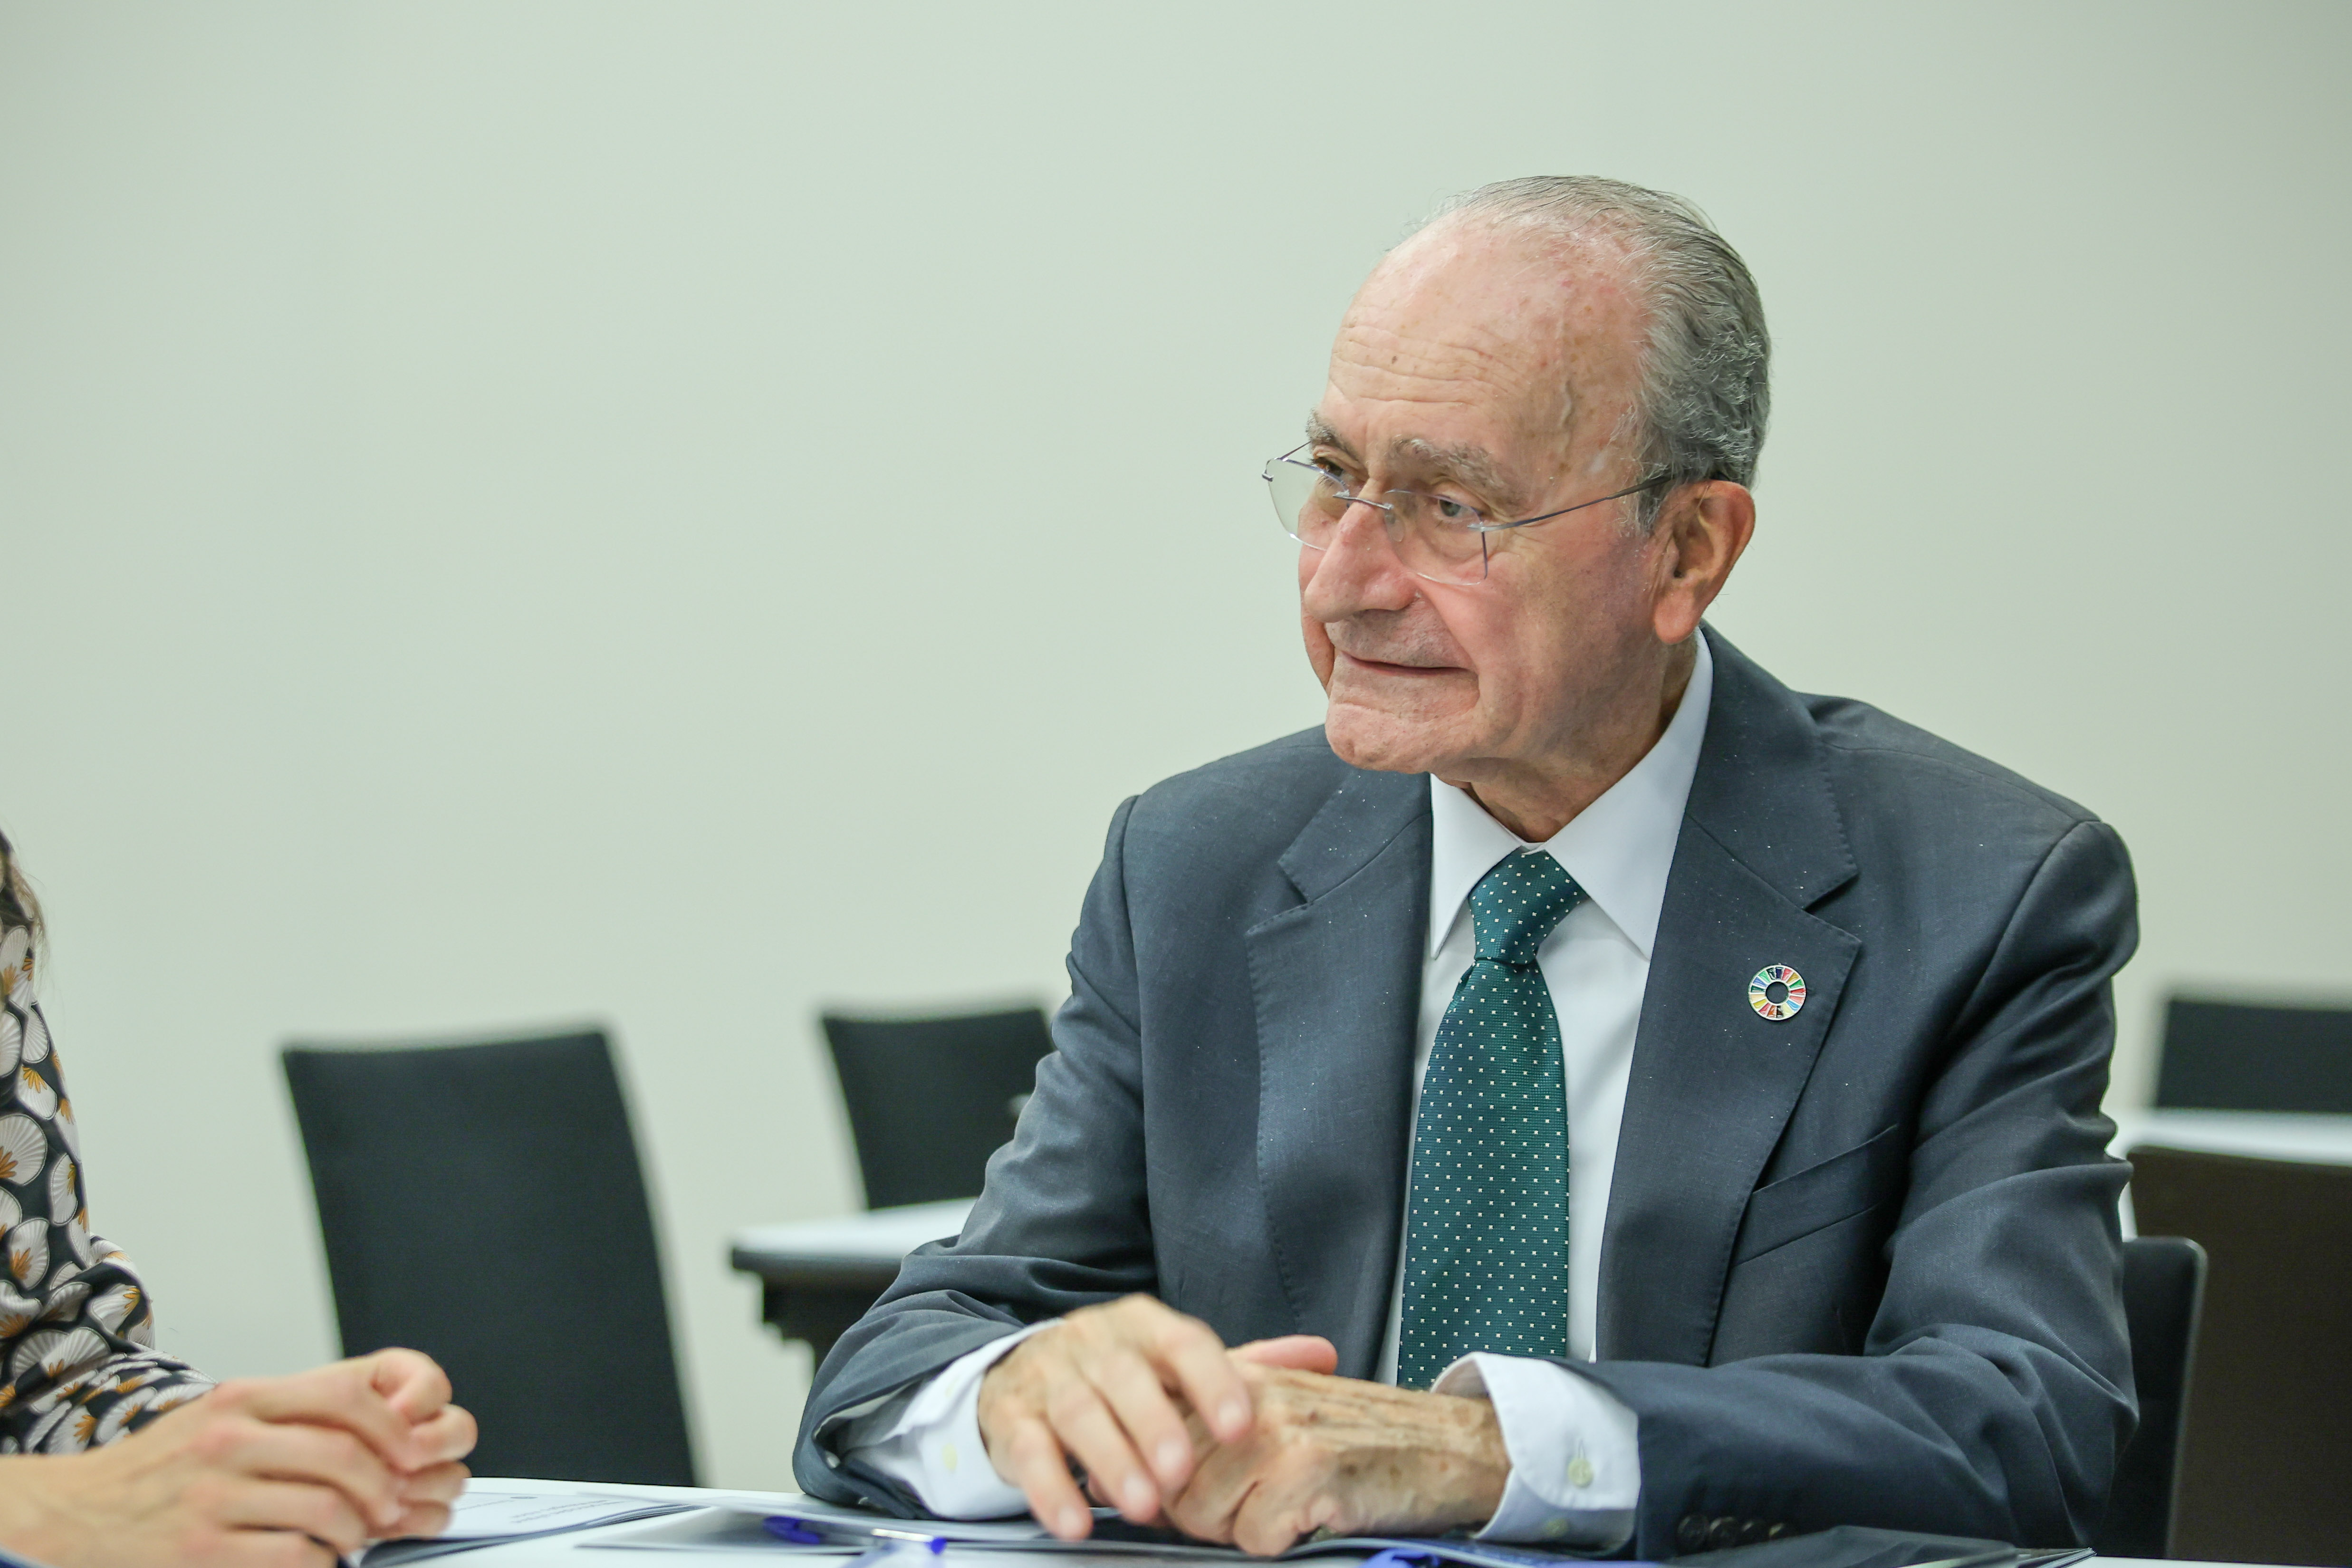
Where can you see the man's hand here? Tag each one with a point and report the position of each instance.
(276, 1471)
(1110, 1389)
(1343, 1456)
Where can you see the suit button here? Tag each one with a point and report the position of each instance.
(1777, 1532)
(1690, 1533)
(1751, 1530)
(1723, 1533)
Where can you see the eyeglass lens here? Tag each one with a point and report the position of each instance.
(1309, 505)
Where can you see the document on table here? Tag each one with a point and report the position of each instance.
(484, 1517)
(907, 1542)
(810, 1522)
(722, 1530)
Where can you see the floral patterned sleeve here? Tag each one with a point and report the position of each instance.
(77, 1334)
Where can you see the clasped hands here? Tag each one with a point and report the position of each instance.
(275, 1471)
(1255, 1446)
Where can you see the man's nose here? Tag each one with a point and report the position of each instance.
(1358, 570)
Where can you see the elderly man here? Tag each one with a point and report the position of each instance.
(1599, 1095)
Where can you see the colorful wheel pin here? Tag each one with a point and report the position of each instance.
(1776, 993)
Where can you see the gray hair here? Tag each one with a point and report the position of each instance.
(1705, 394)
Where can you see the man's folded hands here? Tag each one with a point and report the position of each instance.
(1254, 1447)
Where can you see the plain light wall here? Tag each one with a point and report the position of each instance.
(676, 513)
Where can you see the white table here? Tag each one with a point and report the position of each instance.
(2263, 1134)
(877, 1234)
(724, 1513)
(818, 1276)
(570, 1551)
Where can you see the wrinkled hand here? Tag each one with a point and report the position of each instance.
(268, 1471)
(1111, 1389)
(1344, 1455)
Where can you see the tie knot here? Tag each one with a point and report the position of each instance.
(1516, 905)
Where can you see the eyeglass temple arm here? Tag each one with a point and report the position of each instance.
(1649, 484)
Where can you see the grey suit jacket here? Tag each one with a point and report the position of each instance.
(1860, 1267)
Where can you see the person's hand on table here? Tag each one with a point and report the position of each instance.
(417, 1388)
(1345, 1457)
(267, 1471)
(1254, 1446)
(1109, 1389)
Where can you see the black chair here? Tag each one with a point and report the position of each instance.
(2164, 1289)
(2239, 1056)
(931, 1098)
(2267, 1447)
(483, 1203)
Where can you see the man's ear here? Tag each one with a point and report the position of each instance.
(1700, 535)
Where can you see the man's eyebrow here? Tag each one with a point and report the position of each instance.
(1320, 434)
(1472, 465)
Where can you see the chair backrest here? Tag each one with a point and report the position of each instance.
(483, 1203)
(929, 1100)
(2267, 1448)
(2164, 1289)
(2239, 1056)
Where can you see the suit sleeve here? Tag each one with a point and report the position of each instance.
(1062, 1223)
(1994, 1391)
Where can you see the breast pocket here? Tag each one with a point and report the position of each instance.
(1839, 1188)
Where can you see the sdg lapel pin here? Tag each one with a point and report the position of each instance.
(1776, 993)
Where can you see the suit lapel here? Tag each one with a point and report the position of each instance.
(1713, 1083)
(1337, 982)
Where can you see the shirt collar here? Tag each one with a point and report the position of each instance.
(1619, 848)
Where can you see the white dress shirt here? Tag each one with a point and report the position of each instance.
(1575, 1464)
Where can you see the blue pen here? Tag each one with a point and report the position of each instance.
(821, 1532)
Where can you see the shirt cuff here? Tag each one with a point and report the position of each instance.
(1576, 1462)
(927, 1438)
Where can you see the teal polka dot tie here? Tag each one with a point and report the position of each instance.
(1486, 1256)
